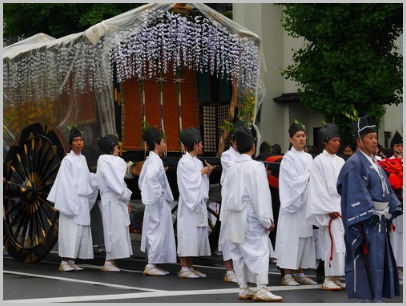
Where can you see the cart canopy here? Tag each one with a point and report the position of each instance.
(69, 80)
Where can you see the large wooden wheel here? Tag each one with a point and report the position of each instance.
(30, 222)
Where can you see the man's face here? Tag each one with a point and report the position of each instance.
(370, 142)
(333, 145)
(398, 150)
(161, 147)
(199, 147)
(77, 144)
(348, 151)
(298, 140)
(116, 151)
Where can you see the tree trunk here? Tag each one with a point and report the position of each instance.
(231, 113)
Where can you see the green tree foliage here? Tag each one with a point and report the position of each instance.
(348, 65)
(57, 19)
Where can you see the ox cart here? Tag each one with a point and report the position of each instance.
(166, 65)
(30, 221)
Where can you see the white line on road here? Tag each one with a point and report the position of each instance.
(80, 281)
(135, 295)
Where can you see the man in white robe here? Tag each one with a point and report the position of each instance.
(247, 211)
(192, 222)
(74, 193)
(227, 160)
(294, 246)
(158, 238)
(114, 205)
(324, 206)
(396, 235)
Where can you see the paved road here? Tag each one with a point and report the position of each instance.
(42, 283)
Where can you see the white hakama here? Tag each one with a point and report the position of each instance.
(114, 206)
(294, 246)
(396, 238)
(247, 211)
(227, 160)
(192, 222)
(158, 238)
(323, 199)
(74, 193)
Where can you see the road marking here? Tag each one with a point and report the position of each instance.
(142, 295)
(115, 296)
(81, 281)
(135, 295)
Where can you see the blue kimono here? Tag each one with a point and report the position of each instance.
(359, 184)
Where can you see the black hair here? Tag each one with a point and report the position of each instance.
(264, 147)
(244, 150)
(192, 146)
(151, 145)
(276, 149)
(352, 146)
(111, 150)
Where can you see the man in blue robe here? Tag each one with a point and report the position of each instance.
(368, 203)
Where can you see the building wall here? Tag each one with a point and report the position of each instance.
(393, 120)
(277, 48)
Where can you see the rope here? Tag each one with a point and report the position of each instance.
(178, 82)
(332, 241)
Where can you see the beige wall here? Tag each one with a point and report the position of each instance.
(277, 53)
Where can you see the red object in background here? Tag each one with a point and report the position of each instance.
(132, 230)
(394, 169)
(273, 177)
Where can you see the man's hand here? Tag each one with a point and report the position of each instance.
(272, 227)
(208, 168)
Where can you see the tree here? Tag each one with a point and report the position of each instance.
(348, 66)
(22, 20)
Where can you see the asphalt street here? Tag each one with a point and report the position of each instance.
(43, 283)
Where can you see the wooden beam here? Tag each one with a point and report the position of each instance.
(231, 114)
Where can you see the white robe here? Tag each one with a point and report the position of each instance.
(158, 237)
(74, 193)
(247, 211)
(323, 199)
(227, 159)
(292, 224)
(114, 206)
(192, 222)
(396, 238)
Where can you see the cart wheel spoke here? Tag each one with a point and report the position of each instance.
(30, 222)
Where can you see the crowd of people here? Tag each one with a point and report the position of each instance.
(343, 211)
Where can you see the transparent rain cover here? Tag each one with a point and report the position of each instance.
(69, 80)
